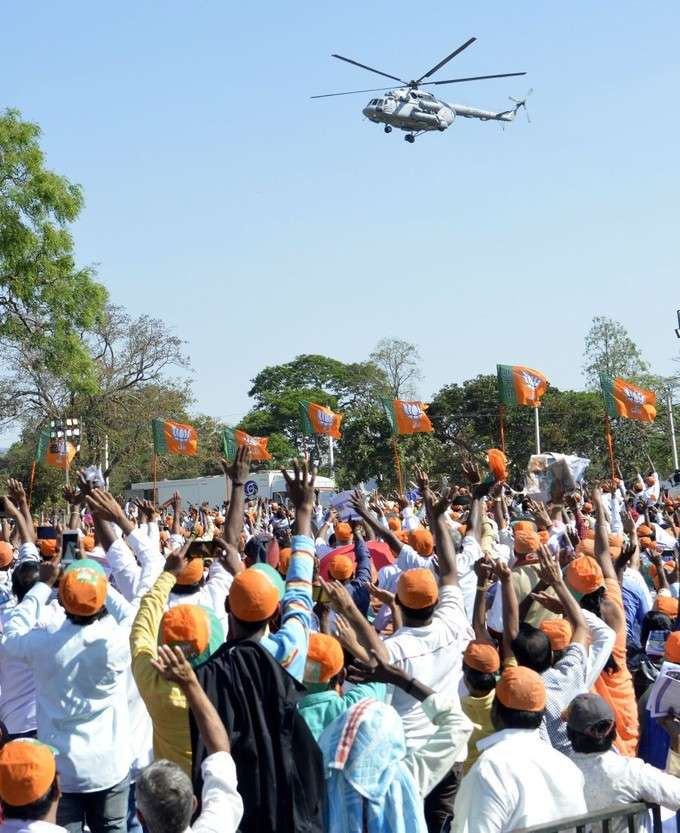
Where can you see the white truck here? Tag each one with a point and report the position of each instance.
(212, 488)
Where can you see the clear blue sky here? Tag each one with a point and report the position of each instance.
(259, 224)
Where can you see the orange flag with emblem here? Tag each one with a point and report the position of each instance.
(170, 437)
(317, 419)
(407, 416)
(624, 399)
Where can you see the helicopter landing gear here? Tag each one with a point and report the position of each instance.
(388, 128)
(410, 138)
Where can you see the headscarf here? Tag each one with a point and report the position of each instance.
(366, 777)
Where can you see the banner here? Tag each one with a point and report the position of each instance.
(317, 419)
(232, 438)
(519, 385)
(54, 451)
(624, 399)
(407, 416)
(174, 438)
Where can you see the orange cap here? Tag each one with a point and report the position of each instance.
(586, 547)
(48, 547)
(667, 605)
(88, 543)
(646, 543)
(340, 567)
(526, 541)
(417, 589)
(482, 656)
(644, 531)
(343, 533)
(6, 554)
(394, 524)
(284, 560)
(192, 573)
(421, 541)
(672, 648)
(83, 588)
(522, 689)
(528, 526)
(584, 574)
(558, 631)
(324, 658)
(587, 507)
(185, 625)
(27, 771)
(253, 597)
(402, 535)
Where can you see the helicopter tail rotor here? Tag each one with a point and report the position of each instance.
(521, 103)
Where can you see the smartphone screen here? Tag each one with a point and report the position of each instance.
(46, 533)
(201, 549)
(69, 547)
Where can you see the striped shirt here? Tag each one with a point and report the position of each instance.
(563, 682)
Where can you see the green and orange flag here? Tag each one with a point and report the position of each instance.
(407, 416)
(317, 419)
(171, 437)
(519, 385)
(54, 451)
(624, 399)
(232, 438)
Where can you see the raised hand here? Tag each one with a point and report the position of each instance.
(502, 571)
(378, 671)
(381, 594)
(229, 556)
(471, 472)
(49, 571)
(104, 506)
(338, 597)
(301, 492)
(540, 513)
(358, 502)
(549, 602)
(484, 570)
(177, 561)
(347, 636)
(549, 569)
(172, 665)
(239, 470)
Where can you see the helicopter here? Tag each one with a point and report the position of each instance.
(417, 111)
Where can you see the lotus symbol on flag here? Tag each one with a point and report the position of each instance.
(250, 440)
(180, 435)
(325, 419)
(531, 381)
(635, 397)
(412, 410)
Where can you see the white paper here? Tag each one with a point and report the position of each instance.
(665, 693)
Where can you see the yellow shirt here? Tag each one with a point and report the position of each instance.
(165, 702)
(478, 709)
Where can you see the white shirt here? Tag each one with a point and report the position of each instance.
(221, 805)
(611, 778)
(17, 689)
(518, 781)
(467, 577)
(80, 677)
(26, 826)
(433, 655)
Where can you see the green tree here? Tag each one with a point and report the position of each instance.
(400, 363)
(47, 302)
(610, 350)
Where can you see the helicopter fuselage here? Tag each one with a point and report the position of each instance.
(411, 110)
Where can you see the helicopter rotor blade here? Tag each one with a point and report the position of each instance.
(474, 78)
(352, 92)
(447, 59)
(370, 69)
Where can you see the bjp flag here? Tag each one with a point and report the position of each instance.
(54, 451)
(232, 438)
(624, 399)
(174, 438)
(519, 385)
(317, 419)
(407, 416)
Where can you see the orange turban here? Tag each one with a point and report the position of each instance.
(48, 547)
(482, 656)
(343, 533)
(672, 648)
(253, 597)
(667, 605)
(284, 560)
(394, 524)
(6, 554)
(584, 574)
(521, 689)
(526, 541)
(192, 573)
(644, 531)
(340, 567)
(558, 631)
(528, 526)
(88, 543)
(417, 589)
(668, 566)
(324, 658)
(421, 541)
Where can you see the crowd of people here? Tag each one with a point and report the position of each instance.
(462, 658)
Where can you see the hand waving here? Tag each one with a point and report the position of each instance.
(172, 665)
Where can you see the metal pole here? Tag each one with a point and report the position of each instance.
(669, 403)
(537, 426)
(331, 456)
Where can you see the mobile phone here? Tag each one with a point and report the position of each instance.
(3, 508)
(69, 547)
(46, 533)
(201, 549)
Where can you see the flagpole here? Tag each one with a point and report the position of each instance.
(501, 424)
(30, 485)
(397, 463)
(537, 426)
(155, 477)
(610, 444)
(331, 456)
(669, 404)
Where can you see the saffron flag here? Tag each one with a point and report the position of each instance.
(54, 451)
(174, 438)
(318, 419)
(232, 438)
(407, 416)
(624, 399)
(518, 385)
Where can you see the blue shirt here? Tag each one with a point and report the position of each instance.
(636, 606)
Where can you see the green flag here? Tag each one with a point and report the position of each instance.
(43, 446)
(229, 444)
